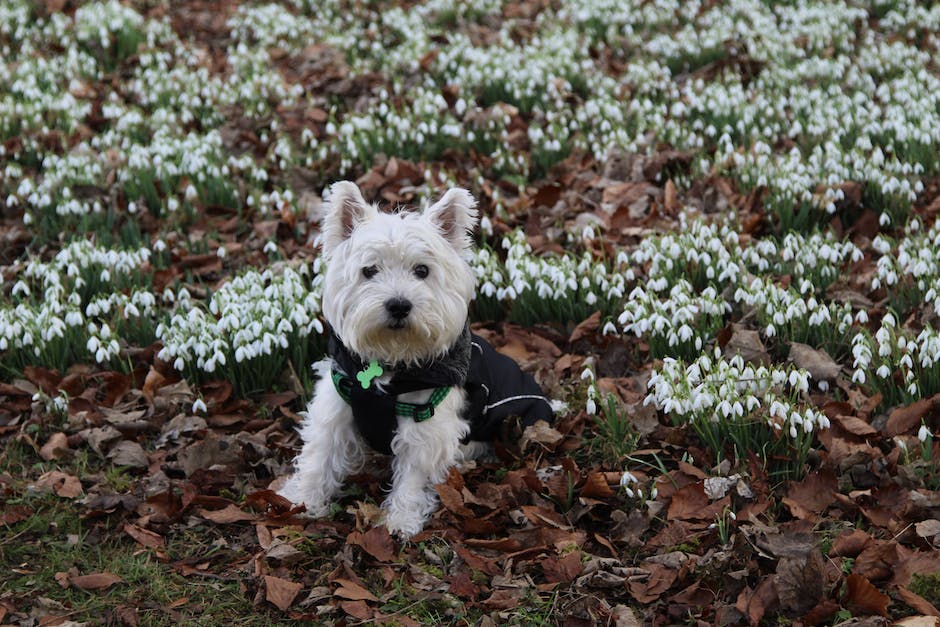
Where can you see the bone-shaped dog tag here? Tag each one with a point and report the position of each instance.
(367, 374)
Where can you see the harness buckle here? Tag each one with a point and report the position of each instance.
(419, 412)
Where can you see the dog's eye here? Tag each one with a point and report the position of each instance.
(421, 271)
(369, 271)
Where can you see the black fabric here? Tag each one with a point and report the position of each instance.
(496, 389)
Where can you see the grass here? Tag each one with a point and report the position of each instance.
(55, 539)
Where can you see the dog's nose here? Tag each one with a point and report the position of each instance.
(398, 308)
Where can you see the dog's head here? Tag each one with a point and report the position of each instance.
(397, 285)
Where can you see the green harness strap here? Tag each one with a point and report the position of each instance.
(418, 411)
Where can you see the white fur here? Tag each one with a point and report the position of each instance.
(356, 236)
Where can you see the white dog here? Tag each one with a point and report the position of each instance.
(404, 375)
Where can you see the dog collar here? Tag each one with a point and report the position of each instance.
(419, 412)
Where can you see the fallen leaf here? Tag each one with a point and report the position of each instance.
(596, 486)
(377, 542)
(928, 529)
(564, 569)
(586, 328)
(351, 590)
(95, 581)
(815, 361)
(280, 592)
(145, 536)
(541, 433)
(746, 343)
(756, 603)
(56, 447)
(918, 603)
(64, 485)
(128, 453)
(861, 597)
(648, 590)
(229, 514)
(357, 609)
(811, 496)
(907, 419)
(800, 582)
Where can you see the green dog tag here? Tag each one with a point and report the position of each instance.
(367, 374)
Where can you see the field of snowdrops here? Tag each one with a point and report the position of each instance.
(709, 228)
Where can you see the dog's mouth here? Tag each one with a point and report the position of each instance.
(396, 325)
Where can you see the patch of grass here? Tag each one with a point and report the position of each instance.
(927, 586)
(55, 539)
(615, 438)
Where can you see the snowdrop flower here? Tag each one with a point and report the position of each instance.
(923, 433)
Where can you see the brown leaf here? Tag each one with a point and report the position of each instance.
(357, 609)
(128, 453)
(152, 383)
(280, 592)
(145, 536)
(377, 542)
(815, 361)
(12, 514)
(95, 581)
(502, 599)
(688, 503)
(850, 543)
(878, 561)
(43, 378)
(671, 198)
(649, 590)
(349, 589)
(918, 603)
(747, 343)
(586, 328)
(65, 485)
(812, 495)
(863, 598)
(908, 419)
(541, 433)
(756, 603)
(230, 514)
(540, 516)
(800, 583)
(462, 586)
(855, 426)
(56, 447)
(928, 529)
(596, 486)
(564, 569)
(452, 500)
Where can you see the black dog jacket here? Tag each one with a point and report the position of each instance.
(496, 389)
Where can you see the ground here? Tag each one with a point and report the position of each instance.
(709, 229)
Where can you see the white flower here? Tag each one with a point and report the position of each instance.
(923, 433)
(199, 406)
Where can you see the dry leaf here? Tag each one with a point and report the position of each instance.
(815, 361)
(377, 542)
(64, 485)
(55, 447)
(94, 581)
(351, 590)
(145, 536)
(863, 598)
(280, 592)
(229, 514)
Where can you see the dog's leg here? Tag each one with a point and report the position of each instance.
(332, 449)
(423, 454)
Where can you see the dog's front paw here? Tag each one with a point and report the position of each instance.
(404, 524)
(317, 504)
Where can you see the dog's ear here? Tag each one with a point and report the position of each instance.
(455, 215)
(345, 209)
